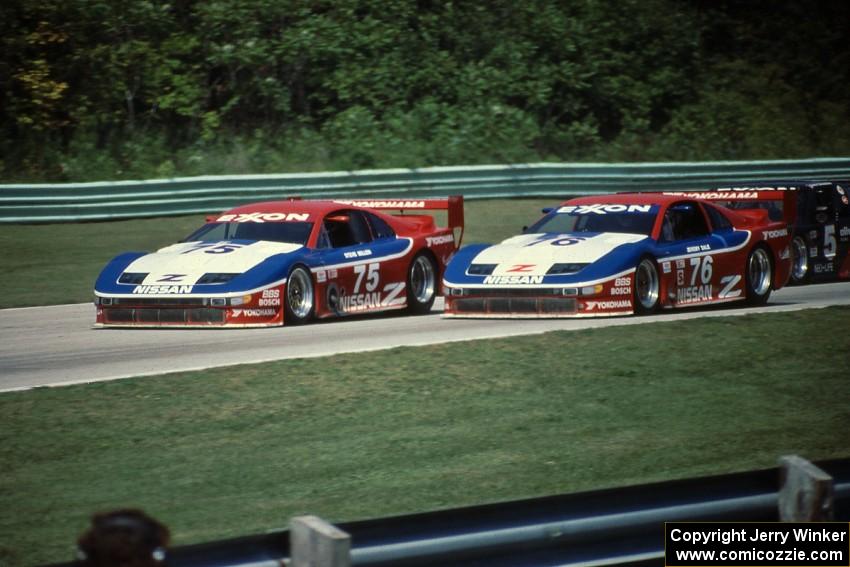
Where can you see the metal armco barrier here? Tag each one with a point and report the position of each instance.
(73, 202)
(614, 527)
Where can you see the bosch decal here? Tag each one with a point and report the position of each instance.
(271, 298)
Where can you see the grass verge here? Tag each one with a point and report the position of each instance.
(58, 263)
(234, 451)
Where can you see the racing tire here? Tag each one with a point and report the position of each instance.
(759, 276)
(799, 261)
(421, 283)
(647, 287)
(299, 301)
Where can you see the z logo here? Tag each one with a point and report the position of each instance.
(522, 268)
(172, 278)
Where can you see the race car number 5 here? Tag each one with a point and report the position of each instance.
(829, 244)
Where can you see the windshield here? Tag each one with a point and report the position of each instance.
(631, 219)
(294, 232)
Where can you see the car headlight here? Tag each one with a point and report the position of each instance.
(134, 278)
(480, 269)
(215, 278)
(563, 269)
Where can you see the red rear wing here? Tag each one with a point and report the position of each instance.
(780, 202)
(453, 204)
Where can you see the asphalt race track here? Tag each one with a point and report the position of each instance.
(53, 346)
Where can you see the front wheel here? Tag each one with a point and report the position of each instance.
(647, 287)
(759, 276)
(298, 305)
(799, 261)
(421, 283)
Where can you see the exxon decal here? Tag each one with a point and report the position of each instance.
(604, 209)
(264, 217)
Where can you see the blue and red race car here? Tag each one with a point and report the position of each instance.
(622, 254)
(286, 262)
(820, 248)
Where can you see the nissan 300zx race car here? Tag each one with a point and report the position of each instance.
(619, 255)
(285, 262)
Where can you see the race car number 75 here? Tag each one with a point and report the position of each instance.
(373, 276)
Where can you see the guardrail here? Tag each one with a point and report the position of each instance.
(615, 527)
(73, 202)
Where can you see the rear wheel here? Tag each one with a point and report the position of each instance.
(298, 305)
(421, 283)
(759, 276)
(799, 261)
(647, 287)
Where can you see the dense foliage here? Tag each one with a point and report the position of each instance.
(101, 89)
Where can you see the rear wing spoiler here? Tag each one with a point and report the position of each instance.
(780, 202)
(452, 204)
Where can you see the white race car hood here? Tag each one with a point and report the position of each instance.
(534, 254)
(185, 262)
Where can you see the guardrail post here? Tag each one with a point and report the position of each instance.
(806, 492)
(316, 543)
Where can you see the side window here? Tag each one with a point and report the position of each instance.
(683, 221)
(344, 228)
(360, 228)
(718, 220)
(380, 228)
(843, 196)
(823, 200)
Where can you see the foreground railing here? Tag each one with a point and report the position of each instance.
(614, 527)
